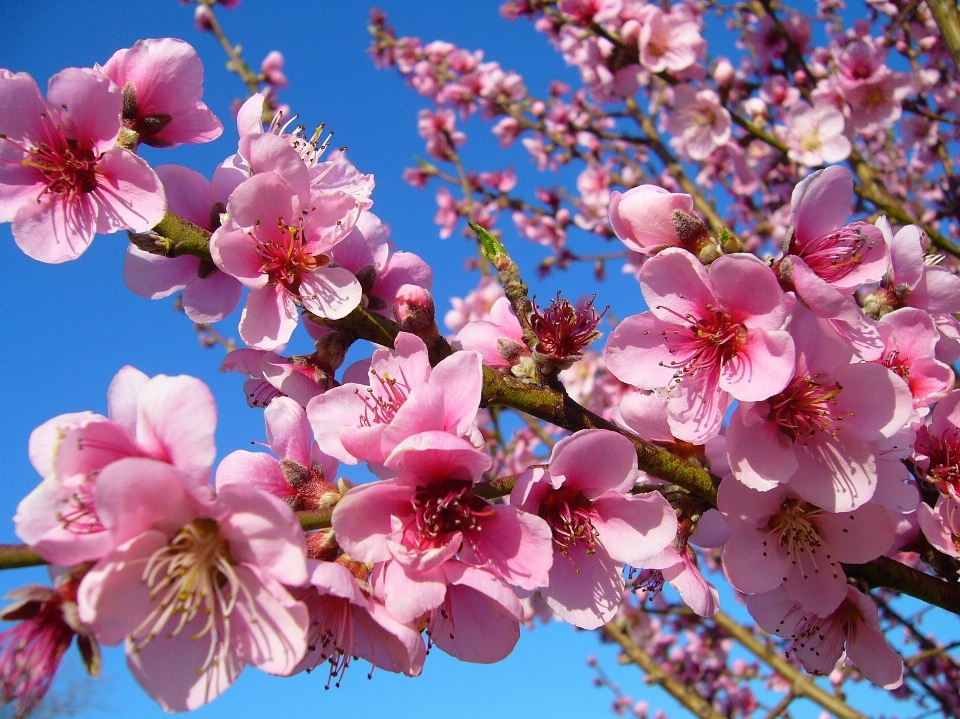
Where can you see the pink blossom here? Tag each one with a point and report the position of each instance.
(498, 339)
(447, 212)
(780, 539)
(819, 642)
(273, 376)
(477, 305)
(195, 584)
(681, 571)
(209, 295)
(405, 396)
(597, 527)
(825, 261)
(698, 122)
(818, 432)
(272, 69)
(162, 83)
(815, 136)
(30, 652)
(938, 446)
(365, 251)
(279, 253)
(347, 622)
(909, 342)
(170, 419)
(303, 476)
(668, 41)
(428, 516)
(705, 338)
(643, 217)
(941, 524)
(62, 176)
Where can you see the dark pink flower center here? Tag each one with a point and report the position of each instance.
(80, 513)
(705, 345)
(68, 169)
(944, 453)
(286, 257)
(562, 329)
(900, 365)
(444, 508)
(570, 516)
(381, 403)
(834, 255)
(805, 408)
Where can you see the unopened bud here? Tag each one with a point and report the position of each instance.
(691, 230)
(203, 18)
(724, 74)
(414, 311)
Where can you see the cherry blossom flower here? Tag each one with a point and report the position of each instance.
(194, 586)
(852, 630)
(162, 83)
(428, 516)
(668, 41)
(596, 526)
(405, 396)
(171, 419)
(909, 342)
(498, 338)
(698, 122)
(826, 261)
(303, 477)
(704, 338)
(274, 376)
(780, 539)
(62, 176)
(209, 295)
(818, 433)
(347, 622)
(279, 253)
(938, 446)
(815, 136)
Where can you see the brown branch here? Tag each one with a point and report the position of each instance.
(801, 685)
(888, 573)
(616, 630)
(948, 19)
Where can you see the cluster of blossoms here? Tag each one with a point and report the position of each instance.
(782, 415)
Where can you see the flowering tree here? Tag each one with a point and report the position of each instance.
(781, 419)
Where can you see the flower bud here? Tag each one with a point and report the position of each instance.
(202, 18)
(643, 217)
(414, 311)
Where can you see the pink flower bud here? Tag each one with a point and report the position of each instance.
(643, 217)
(202, 18)
(414, 310)
(724, 74)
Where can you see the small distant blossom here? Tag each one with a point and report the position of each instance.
(815, 136)
(668, 41)
(272, 69)
(698, 122)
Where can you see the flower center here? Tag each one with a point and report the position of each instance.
(805, 408)
(285, 255)
(193, 575)
(562, 329)
(382, 402)
(706, 344)
(570, 517)
(834, 255)
(944, 454)
(444, 508)
(79, 514)
(793, 528)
